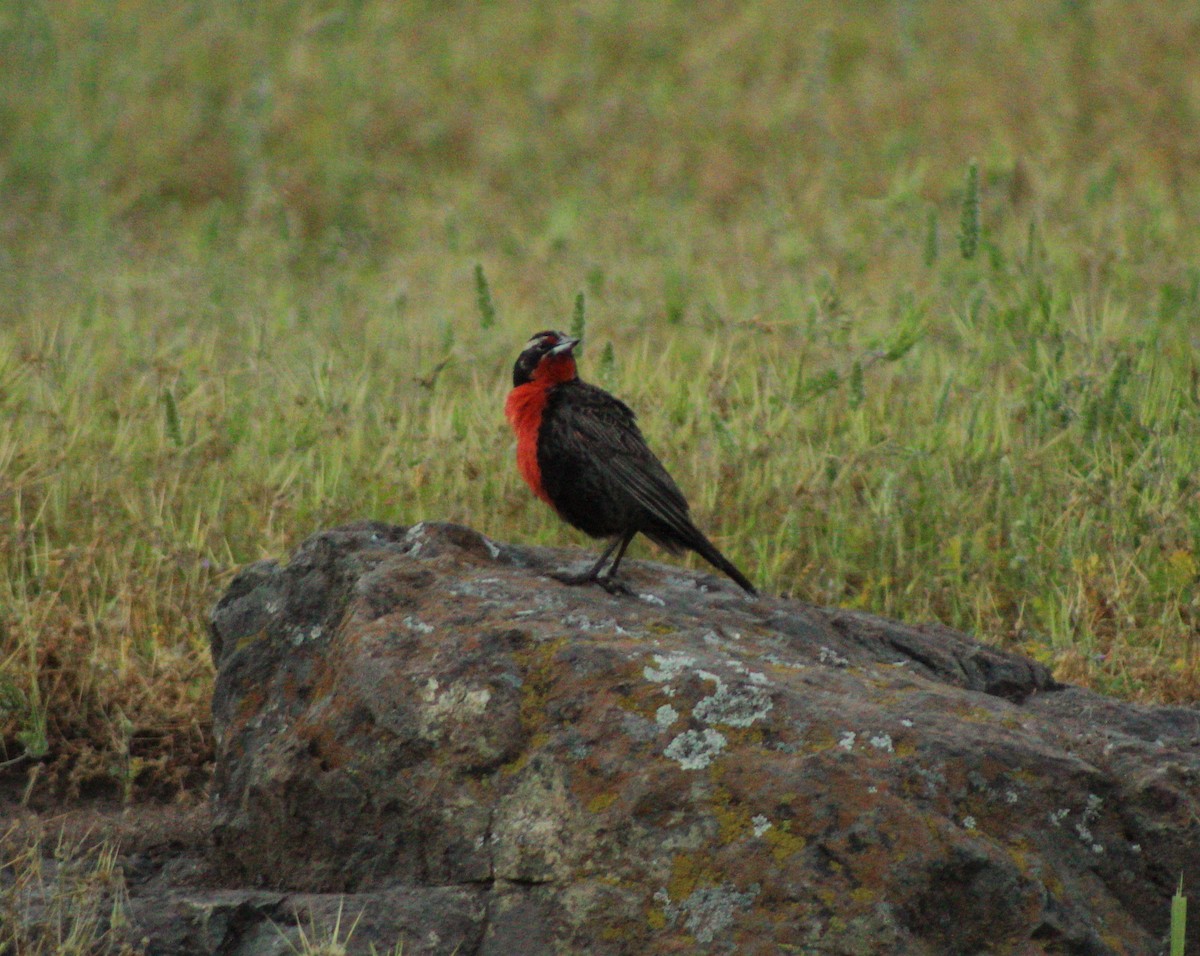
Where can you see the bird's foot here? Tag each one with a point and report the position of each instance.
(564, 578)
(610, 584)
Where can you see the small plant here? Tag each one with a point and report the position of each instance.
(29, 716)
(77, 907)
(968, 237)
(608, 365)
(483, 298)
(578, 321)
(1178, 920)
(171, 418)
(858, 390)
(321, 942)
(932, 239)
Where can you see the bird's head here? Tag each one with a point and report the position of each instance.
(547, 358)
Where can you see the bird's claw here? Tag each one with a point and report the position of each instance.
(564, 578)
(610, 584)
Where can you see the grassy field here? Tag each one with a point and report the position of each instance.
(238, 304)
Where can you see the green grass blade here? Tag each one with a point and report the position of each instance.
(171, 418)
(1178, 920)
(578, 320)
(969, 228)
(483, 299)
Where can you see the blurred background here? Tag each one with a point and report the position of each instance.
(384, 137)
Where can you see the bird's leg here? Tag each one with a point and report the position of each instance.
(593, 574)
(609, 582)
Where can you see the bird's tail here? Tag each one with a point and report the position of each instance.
(708, 551)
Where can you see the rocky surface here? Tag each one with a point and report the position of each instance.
(430, 747)
(527, 767)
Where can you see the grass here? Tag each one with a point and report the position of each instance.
(318, 943)
(906, 299)
(68, 901)
(1178, 921)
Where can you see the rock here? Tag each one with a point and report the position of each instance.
(421, 711)
(435, 920)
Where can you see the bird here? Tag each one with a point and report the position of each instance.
(580, 450)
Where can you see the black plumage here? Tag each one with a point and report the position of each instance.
(600, 476)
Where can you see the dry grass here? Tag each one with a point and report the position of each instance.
(239, 305)
(67, 900)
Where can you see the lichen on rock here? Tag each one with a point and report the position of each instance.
(606, 774)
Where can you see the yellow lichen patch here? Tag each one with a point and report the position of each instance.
(690, 872)
(536, 743)
(864, 895)
(978, 715)
(742, 737)
(819, 739)
(779, 667)
(733, 818)
(601, 802)
(905, 748)
(644, 700)
(244, 642)
(537, 663)
(1019, 854)
(784, 843)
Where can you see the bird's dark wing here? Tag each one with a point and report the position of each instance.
(596, 465)
(602, 478)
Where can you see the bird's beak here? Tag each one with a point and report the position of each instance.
(564, 347)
